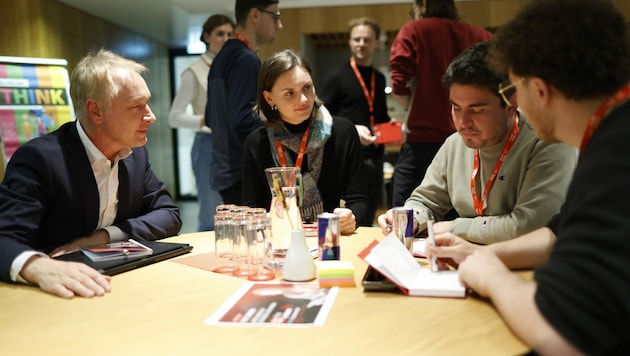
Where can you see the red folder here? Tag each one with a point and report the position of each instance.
(388, 133)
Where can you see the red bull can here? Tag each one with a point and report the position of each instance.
(402, 226)
(328, 236)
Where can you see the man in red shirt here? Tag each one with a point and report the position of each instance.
(418, 58)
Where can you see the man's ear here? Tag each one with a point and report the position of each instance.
(94, 111)
(540, 91)
(253, 15)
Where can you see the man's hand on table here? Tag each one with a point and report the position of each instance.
(65, 279)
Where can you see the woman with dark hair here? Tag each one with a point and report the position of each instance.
(300, 132)
(193, 90)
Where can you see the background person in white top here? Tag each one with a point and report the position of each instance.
(193, 90)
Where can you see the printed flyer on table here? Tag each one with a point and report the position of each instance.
(276, 305)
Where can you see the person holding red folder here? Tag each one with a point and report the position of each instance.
(356, 91)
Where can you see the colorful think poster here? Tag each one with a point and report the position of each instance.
(34, 99)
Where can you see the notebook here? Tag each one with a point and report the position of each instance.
(161, 251)
(392, 259)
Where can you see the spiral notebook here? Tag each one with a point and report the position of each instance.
(161, 251)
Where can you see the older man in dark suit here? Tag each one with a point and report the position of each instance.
(87, 183)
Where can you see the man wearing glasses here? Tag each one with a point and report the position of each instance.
(232, 92)
(569, 61)
(500, 179)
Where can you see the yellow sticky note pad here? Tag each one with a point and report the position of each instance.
(335, 274)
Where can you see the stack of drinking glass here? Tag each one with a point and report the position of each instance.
(243, 242)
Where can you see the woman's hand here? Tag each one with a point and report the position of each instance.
(347, 221)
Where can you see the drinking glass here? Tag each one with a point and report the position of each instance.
(243, 247)
(258, 235)
(223, 243)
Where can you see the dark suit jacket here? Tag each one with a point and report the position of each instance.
(49, 197)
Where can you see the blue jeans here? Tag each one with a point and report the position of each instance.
(201, 155)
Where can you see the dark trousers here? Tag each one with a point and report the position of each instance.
(373, 170)
(412, 164)
(233, 195)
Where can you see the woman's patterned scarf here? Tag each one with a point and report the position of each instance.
(321, 129)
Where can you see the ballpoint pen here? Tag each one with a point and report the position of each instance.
(431, 239)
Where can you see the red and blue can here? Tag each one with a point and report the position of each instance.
(328, 236)
(402, 226)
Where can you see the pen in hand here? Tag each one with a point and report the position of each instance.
(434, 266)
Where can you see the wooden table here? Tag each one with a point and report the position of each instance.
(160, 310)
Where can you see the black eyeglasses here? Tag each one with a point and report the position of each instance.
(274, 14)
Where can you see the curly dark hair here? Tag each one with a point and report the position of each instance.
(271, 68)
(580, 47)
(471, 68)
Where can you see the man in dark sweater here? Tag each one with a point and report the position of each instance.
(232, 92)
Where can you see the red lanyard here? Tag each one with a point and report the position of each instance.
(597, 117)
(478, 203)
(369, 95)
(243, 39)
(300, 156)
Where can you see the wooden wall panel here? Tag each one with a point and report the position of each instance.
(474, 12)
(483, 13)
(502, 11)
(332, 19)
(390, 17)
(624, 7)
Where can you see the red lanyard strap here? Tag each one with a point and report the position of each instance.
(598, 116)
(300, 156)
(238, 36)
(478, 203)
(369, 95)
